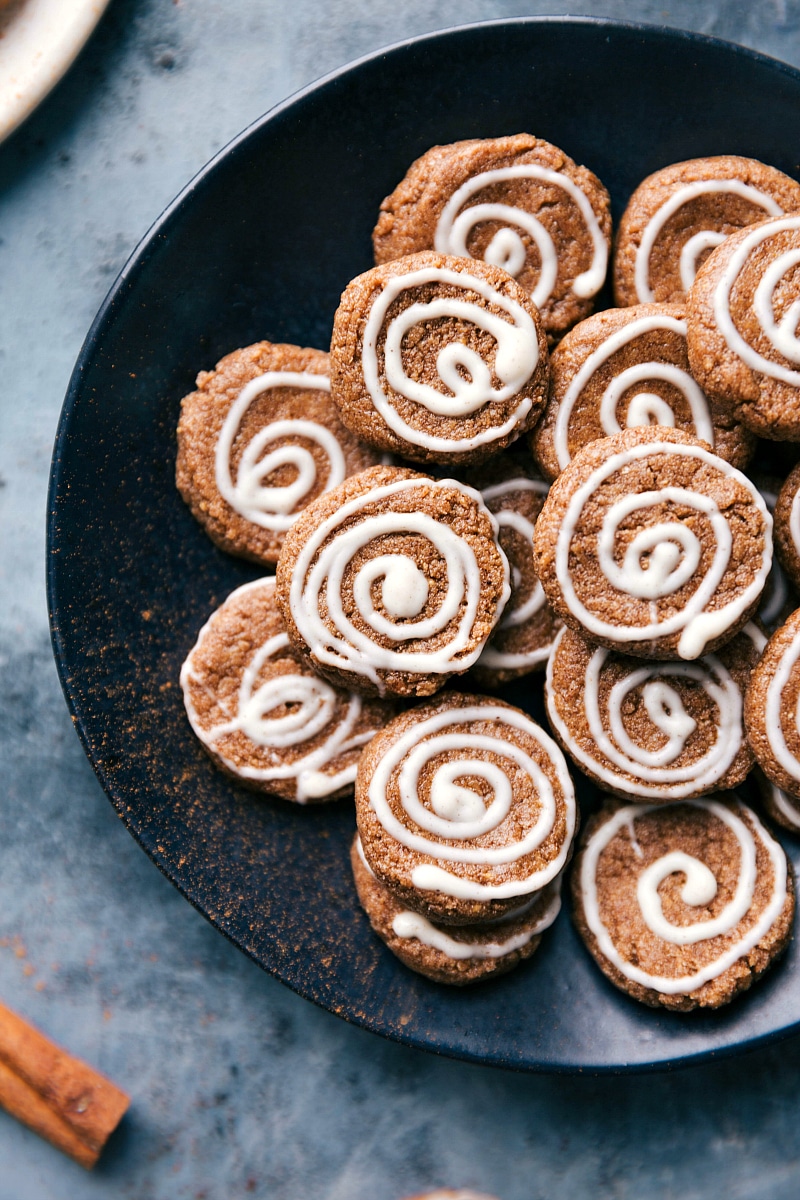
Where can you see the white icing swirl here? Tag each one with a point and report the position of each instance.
(781, 333)
(508, 248)
(445, 749)
(309, 706)
(265, 505)
(672, 550)
(409, 924)
(653, 771)
(786, 805)
(773, 719)
(644, 408)
(700, 241)
(466, 377)
(317, 582)
(699, 889)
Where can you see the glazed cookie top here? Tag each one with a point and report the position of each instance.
(516, 202)
(393, 581)
(440, 359)
(657, 731)
(623, 368)
(456, 954)
(257, 441)
(465, 807)
(742, 316)
(772, 708)
(652, 545)
(524, 634)
(262, 714)
(682, 904)
(679, 214)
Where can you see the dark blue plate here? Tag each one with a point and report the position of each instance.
(260, 245)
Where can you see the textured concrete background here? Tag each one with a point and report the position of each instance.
(240, 1088)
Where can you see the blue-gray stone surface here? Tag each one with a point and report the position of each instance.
(239, 1087)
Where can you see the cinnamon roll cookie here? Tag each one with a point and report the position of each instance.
(679, 214)
(257, 441)
(657, 731)
(262, 715)
(787, 525)
(652, 545)
(393, 581)
(772, 708)
(779, 600)
(624, 368)
(465, 809)
(455, 954)
(778, 804)
(682, 905)
(742, 315)
(524, 635)
(515, 202)
(438, 359)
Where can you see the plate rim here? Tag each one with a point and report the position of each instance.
(135, 262)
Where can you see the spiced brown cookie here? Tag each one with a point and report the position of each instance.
(778, 804)
(682, 905)
(779, 599)
(393, 581)
(623, 368)
(658, 731)
(516, 202)
(787, 526)
(679, 214)
(438, 359)
(257, 441)
(262, 715)
(652, 545)
(742, 315)
(524, 635)
(465, 808)
(454, 954)
(771, 708)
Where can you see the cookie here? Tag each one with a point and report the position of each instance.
(524, 635)
(624, 368)
(678, 215)
(393, 581)
(778, 804)
(778, 600)
(455, 954)
(682, 905)
(658, 731)
(787, 525)
(771, 710)
(742, 315)
(257, 441)
(652, 545)
(516, 202)
(438, 359)
(465, 808)
(262, 715)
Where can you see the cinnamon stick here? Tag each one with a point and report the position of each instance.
(61, 1098)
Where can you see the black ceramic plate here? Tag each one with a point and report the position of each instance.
(260, 245)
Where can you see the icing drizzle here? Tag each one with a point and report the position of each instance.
(699, 889)
(673, 553)
(644, 408)
(774, 720)
(267, 506)
(700, 241)
(507, 248)
(653, 771)
(458, 815)
(317, 582)
(466, 377)
(310, 706)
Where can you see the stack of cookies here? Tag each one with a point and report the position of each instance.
(483, 476)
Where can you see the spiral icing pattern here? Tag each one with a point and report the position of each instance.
(657, 730)
(263, 716)
(396, 581)
(674, 896)
(469, 800)
(641, 543)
